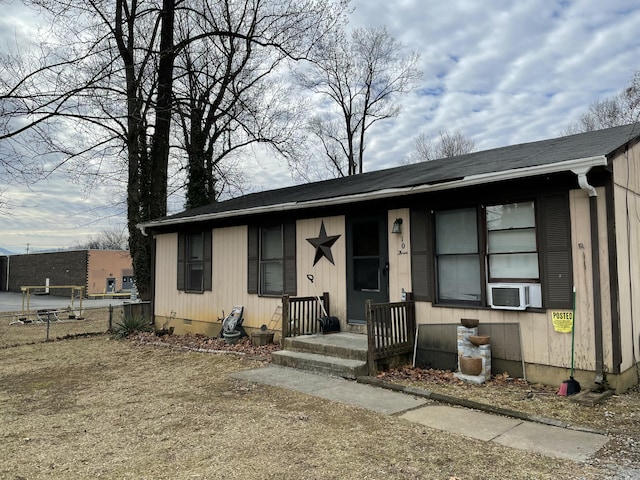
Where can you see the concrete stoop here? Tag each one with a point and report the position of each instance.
(338, 354)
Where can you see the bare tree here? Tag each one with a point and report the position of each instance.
(96, 92)
(359, 79)
(102, 88)
(329, 134)
(448, 144)
(621, 109)
(229, 94)
(108, 239)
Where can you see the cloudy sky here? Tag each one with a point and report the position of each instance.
(499, 71)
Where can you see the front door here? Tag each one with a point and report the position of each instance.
(367, 264)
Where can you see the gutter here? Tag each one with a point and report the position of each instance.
(595, 270)
(568, 165)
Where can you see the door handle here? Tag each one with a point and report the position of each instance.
(385, 270)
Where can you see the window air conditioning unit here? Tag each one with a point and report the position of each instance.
(509, 296)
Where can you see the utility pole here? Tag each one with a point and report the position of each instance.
(27, 248)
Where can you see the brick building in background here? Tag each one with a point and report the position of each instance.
(99, 271)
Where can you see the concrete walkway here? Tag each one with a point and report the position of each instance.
(548, 440)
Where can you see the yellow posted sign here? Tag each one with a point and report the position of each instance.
(562, 321)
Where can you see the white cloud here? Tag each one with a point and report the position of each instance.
(56, 214)
(505, 72)
(500, 71)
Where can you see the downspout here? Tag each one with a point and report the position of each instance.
(595, 269)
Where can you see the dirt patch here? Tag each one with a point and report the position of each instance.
(102, 408)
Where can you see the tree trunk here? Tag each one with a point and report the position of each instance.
(147, 189)
(160, 143)
(197, 179)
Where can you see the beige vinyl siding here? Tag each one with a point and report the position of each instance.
(171, 303)
(230, 280)
(199, 312)
(399, 255)
(165, 275)
(626, 177)
(328, 278)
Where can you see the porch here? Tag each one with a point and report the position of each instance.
(389, 340)
(340, 354)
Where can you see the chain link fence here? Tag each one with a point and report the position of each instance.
(37, 326)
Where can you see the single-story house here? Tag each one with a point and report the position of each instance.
(98, 271)
(503, 236)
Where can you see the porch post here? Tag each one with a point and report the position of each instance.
(370, 339)
(285, 317)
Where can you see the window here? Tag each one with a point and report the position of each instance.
(455, 253)
(511, 242)
(457, 256)
(511, 252)
(272, 259)
(194, 261)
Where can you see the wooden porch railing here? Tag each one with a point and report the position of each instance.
(391, 329)
(300, 314)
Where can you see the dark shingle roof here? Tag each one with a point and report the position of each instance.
(546, 152)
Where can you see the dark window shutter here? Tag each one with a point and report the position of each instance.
(207, 262)
(253, 245)
(421, 256)
(557, 272)
(289, 259)
(182, 253)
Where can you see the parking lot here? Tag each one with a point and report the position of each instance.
(13, 302)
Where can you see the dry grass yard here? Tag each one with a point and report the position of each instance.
(93, 320)
(102, 408)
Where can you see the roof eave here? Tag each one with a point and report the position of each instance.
(471, 180)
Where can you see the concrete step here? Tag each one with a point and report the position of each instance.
(313, 362)
(341, 345)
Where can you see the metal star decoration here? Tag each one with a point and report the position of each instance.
(322, 244)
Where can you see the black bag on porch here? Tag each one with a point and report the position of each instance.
(329, 324)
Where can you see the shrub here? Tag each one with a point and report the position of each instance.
(129, 325)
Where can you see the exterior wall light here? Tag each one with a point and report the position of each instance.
(397, 226)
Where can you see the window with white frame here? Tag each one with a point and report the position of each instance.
(455, 253)
(464, 262)
(511, 242)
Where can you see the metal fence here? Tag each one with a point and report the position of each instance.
(48, 325)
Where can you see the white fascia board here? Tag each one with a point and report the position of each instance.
(580, 164)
